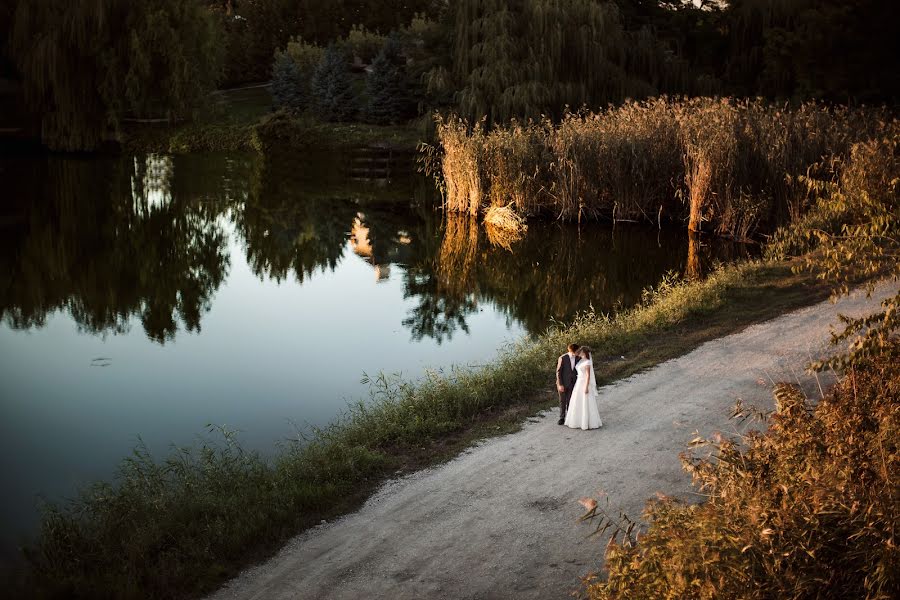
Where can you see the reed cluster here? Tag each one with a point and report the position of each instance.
(724, 165)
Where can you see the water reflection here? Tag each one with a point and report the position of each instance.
(144, 239)
(109, 243)
(289, 265)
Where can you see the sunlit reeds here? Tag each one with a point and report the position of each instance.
(458, 256)
(726, 166)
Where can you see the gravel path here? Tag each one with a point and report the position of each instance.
(501, 520)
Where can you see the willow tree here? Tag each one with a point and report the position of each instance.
(830, 49)
(525, 58)
(87, 64)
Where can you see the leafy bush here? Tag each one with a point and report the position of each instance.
(292, 74)
(363, 44)
(852, 231)
(807, 510)
(305, 55)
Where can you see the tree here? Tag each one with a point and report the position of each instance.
(332, 90)
(830, 49)
(289, 90)
(87, 64)
(528, 58)
(386, 95)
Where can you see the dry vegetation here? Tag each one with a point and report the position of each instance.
(807, 510)
(729, 166)
(810, 508)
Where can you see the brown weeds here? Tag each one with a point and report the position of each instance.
(727, 165)
(807, 510)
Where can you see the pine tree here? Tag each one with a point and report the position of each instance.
(289, 89)
(386, 97)
(332, 90)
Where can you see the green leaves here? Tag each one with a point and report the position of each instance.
(100, 61)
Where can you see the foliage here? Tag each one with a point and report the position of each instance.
(386, 95)
(524, 59)
(808, 509)
(734, 163)
(289, 89)
(292, 74)
(305, 55)
(426, 43)
(333, 94)
(256, 28)
(363, 44)
(90, 63)
(853, 231)
(827, 49)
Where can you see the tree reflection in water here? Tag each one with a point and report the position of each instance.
(108, 242)
(111, 241)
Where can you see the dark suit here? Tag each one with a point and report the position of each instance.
(565, 377)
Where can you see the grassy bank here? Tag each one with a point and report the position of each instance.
(271, 131)
(181, 525)
(243, 121)
(722, 165)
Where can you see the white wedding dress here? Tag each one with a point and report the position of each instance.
(584, 408)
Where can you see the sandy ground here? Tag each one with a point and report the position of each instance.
(501, 520)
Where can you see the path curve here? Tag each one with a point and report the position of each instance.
(501, 520)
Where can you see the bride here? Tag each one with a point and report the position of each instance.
(584, 410)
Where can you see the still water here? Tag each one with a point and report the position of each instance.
(150, 296)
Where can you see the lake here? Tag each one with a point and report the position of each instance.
(146, 297)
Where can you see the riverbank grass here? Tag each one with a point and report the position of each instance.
(243, 120)
(180, 526)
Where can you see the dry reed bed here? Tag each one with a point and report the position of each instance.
(723, 165)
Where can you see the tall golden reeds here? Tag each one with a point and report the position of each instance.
(461, 164)
(723, 165)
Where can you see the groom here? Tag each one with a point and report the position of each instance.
(565, 379)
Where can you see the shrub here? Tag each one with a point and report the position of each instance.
(363, 44)
(852, 231)
(807, 510)
(305, 55)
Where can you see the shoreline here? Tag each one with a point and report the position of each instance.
(406, 430)
(502, 518)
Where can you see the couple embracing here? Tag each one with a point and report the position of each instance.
(577, 386)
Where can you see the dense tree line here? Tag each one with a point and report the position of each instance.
(88, 63)
(256, 28)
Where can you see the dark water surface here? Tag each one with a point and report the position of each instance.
(149, 296)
